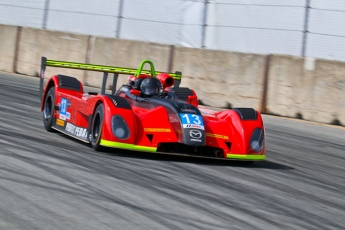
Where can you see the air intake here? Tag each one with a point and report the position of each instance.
(67, 82)
(228, 144)
(119, 102)
(182, 93)
(246, 113)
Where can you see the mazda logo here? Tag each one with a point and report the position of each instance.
(195, 133)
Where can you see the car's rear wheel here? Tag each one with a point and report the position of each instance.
(48, 109)
(96, 128)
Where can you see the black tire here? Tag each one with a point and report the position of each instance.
(48, 110)
(96, 128)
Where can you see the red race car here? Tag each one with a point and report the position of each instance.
(151, 113)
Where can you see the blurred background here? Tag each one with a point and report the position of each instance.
(308, 28)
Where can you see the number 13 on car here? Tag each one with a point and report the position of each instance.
(191, 121)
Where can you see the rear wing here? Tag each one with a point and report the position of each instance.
(105, 69)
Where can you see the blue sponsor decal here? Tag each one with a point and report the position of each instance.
(63, 109)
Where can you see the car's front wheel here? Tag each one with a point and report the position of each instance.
(96, 128)
(48, 109)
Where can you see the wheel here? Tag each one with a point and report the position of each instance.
(48, 110)
(96, 128)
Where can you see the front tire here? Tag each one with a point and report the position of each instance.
(48, 109)
(96, 128)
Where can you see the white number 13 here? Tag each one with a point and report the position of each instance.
(196, 119)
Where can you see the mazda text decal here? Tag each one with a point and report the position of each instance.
(76, 131)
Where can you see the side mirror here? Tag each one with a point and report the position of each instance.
(135, 92)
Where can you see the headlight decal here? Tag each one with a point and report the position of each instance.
(119, 127)
(257, 140)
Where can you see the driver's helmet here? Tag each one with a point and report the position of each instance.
(151, 86)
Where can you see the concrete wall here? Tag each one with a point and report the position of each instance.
(125, 53)
(285, 83)
(221, 77)
(8, 36)
(54, 45)
(311, 89)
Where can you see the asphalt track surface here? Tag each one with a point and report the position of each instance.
(50, 181)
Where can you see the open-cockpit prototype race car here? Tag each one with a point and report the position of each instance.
(151, 113)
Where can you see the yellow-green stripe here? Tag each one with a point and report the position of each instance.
(103, 68)
(246, 157)
(120, 145)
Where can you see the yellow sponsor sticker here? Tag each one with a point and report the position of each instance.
(157, 130)
(60, 122)
(217, 136)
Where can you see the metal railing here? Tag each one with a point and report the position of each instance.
(212, 26)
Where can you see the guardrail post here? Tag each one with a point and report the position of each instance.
(119, 19)
(305, 31)
(45, 14)
(204, 25)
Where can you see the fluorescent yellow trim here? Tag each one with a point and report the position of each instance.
(140, 69)
(159, 130)
(217, 136)
(246, 157)
(108, 69)
(120, 145)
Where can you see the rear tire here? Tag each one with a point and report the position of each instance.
(48, 110)
(96, 128)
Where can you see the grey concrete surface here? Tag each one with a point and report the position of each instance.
(50, 181)
(297, 87)
(125, 53)
(221, 78)
(54, 45)
(309, 88)
(8, 37)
